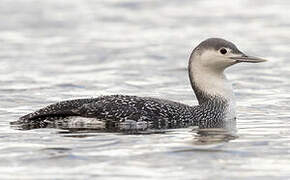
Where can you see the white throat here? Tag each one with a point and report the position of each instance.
(212, 83)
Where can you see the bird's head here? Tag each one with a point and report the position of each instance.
(217, 54)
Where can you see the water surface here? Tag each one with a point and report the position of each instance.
(57, 50)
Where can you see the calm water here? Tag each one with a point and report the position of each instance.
(55, 50)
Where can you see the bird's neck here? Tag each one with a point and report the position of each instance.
(212, 88)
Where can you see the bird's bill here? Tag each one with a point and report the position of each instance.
(249, 59)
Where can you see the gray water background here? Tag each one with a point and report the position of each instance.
(53, 50)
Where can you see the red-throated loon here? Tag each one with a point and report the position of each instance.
(206, 73)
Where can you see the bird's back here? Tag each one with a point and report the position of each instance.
(156, 113)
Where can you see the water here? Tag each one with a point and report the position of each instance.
(56, 50)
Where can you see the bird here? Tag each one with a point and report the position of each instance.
(214, 93)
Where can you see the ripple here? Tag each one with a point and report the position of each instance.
(53, 51)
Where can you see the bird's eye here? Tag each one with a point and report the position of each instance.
(223, 51)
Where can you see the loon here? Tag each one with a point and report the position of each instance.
(216, 102)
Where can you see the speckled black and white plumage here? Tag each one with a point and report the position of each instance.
(117, 109)
(122, 112)
(157, 113)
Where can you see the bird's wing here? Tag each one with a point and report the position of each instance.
(63, 108)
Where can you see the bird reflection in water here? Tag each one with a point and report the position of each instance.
(213, 135)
